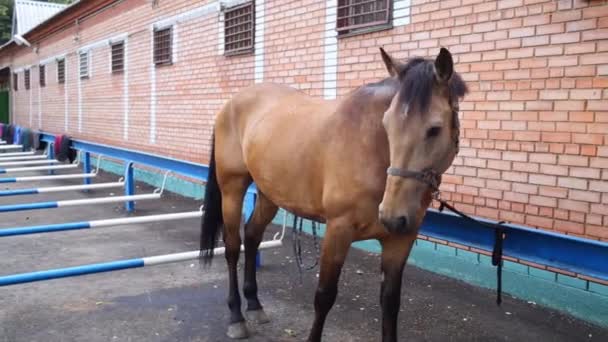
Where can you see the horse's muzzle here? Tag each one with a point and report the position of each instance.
(397, 224)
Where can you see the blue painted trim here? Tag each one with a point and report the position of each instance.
(48, 228)
(2, 171)
(582, 256)
(28, 206)
(70, 271)
(18, 192)
(8, 180)
(196, 171)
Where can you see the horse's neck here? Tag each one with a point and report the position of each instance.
(359, 121)
(365, 107)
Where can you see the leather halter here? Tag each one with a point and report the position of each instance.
(429, 177)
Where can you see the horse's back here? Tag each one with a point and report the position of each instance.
(279, 132)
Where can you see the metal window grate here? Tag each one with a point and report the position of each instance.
(16, 81)
(118, 57)
(61, 71)
(361, 14)
(83, 64)
(42, 75)
(239, 29)
(27, 78)
(163, 49)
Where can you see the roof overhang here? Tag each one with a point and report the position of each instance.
(58, 22)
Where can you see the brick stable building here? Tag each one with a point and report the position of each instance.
(150, 75)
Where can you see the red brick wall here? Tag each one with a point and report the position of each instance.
(534, 126)
(294, 48)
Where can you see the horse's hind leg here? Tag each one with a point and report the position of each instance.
(233, 190)
(263, 214)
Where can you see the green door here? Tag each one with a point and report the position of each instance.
(4, 106)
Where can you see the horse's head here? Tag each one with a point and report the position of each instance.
(422, 128)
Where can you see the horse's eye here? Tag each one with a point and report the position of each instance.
(433, 132)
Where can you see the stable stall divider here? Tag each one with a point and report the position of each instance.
(27, 162)
(26, 157)
(47, 178)
(34, 191)
(17, 154)
(78, 202)
(116, 265)
(49, 228)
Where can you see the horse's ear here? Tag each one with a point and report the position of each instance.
(392, 66)
(444, 65)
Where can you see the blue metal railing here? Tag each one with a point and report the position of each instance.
(582, 256)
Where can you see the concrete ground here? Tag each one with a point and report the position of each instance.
(183, 302)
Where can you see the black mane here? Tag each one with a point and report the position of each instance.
(417, 81)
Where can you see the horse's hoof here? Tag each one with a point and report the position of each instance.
(257, 316)
(238, 330)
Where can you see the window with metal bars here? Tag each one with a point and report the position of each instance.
(118, 57)
(83, 58)
(61, 71)
(27, 78)
(15, 81)
(163, 49)
(362, 15)
(42, 75)
(239, 29)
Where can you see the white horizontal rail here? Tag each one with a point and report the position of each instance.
(60, 227)
(10, 147)
(28, 162)
(20, 157)
(81, 187)
(101, 200)
(41, 168)
(177, 257)
(114, 265)
(54, 177)
(16, 154)
(145, 219)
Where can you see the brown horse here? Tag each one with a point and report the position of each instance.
(367, 165)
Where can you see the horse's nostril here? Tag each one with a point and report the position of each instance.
(396, 224)
(401, 223)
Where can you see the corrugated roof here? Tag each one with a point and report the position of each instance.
(29, 14)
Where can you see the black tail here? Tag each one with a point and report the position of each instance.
(212, 217)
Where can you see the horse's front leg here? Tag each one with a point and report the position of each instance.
(395, 251)
(335, 247)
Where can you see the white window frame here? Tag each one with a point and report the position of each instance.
(124, 47)
(88, 73)
(41, 71)
(57, 69)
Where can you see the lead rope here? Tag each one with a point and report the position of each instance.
(499, 236)
(297, 244)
